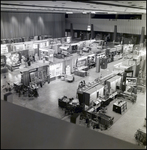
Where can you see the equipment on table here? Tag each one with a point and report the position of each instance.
(140, 136)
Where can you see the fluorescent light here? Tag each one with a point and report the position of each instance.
(112, 12)
(84, 12)
(69, 12)
(93, 12)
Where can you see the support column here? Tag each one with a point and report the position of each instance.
(98, 64)
(142, 35)
(92, 32)
(115, 33)
(71, 31)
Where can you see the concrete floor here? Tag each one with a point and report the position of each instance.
(124, 127)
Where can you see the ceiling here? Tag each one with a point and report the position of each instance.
(119, 7)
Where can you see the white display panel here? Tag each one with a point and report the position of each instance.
(55, 70)
(113, 86)
(68, 40)
(101, 92)
(42, 45)
(4, 49)
(35, 46)
(93, 96)
(58, 69)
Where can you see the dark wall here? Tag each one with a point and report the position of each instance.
(25, 24)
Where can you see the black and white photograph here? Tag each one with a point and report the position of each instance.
(73, 74)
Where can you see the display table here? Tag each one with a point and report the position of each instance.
(63, 102)
(8, 97)
(120, 106)
(91, 65)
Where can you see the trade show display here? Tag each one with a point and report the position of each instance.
(35, 75)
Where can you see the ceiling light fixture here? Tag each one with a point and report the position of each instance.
(69, 12)
(84, 12)
(112, 12)
(93, 12)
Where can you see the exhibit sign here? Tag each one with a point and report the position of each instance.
(4, 49)
(68, 39)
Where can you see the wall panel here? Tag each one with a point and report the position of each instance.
(106, 25)
(24, 24)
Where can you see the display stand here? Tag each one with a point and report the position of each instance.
(120, 106)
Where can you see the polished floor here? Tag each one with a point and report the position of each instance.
(22, 128)
(124, 127)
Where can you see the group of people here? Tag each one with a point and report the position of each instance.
(81, 84)
(30, 59)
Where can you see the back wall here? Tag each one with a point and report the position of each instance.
(24, 24)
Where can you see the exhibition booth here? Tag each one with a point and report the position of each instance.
(35, 75)
(46, 54)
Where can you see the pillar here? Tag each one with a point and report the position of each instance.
(142, 35)
(92, 32)
(98, 64)
(71, 30)
(115, 33)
